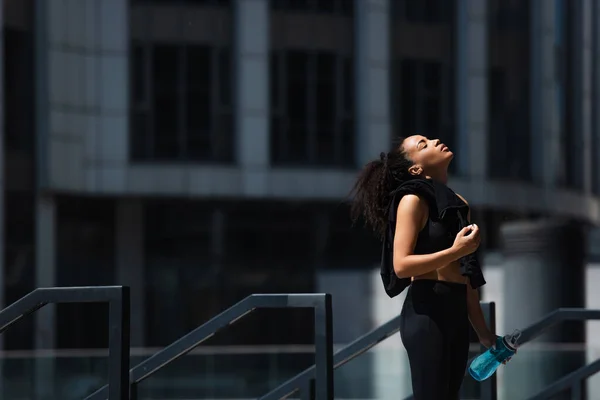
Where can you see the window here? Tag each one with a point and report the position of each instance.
(18, 190)
(85, 255)
(422, 11)
(312, 111)
(181, 107)
(509, 143)
(200, 2)
(312, 85)
(340, 7)
(180, 269)
(181, 91)
(423, 91)
(595, 101)
(570, 169)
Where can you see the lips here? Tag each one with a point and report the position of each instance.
(444, 148)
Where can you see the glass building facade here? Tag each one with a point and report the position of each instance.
(203, 150)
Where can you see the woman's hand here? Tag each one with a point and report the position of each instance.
(466, 241)
(488, 340)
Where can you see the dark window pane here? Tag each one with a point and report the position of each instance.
(166, 136)
(508, 92)
(348, 146)
(165, 63)
(408, 105)
(326, 145)
(325, 5)
(140, 135)
(199, 112)
(297, 85)
(326, 108)
(431, 117)
(275, 80)
(297, 112)
(432, 76)
(199, 67)
(298, 4)
(298, 142)
(348, 84)
(346, 7)
(225, 76)
(85, 246)
(223, 139)
(139, 77)
(199, 145)
(277, 143)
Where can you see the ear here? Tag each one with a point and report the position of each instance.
(415, 170)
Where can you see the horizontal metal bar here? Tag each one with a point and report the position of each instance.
(555, 317)
(567, 381)
(341, 357)
(188, 342)
(293, 300)
(42, 296)
(80, 294)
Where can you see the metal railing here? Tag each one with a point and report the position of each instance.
(304, 381)
(118, 323)
(576, 379)
(322, 372)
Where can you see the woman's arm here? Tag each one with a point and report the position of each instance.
(411, 217)
(486, 336)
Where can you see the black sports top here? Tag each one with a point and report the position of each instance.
(447, 216)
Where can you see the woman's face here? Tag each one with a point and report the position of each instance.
(428, 155)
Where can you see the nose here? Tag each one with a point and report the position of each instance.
(436, 142)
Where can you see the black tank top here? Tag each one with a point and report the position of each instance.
(447, 216)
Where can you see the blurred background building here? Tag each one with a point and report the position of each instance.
(204, 150)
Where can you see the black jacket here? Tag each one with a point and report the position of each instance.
(445, 207)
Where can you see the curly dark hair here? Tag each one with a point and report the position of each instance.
(373, 187)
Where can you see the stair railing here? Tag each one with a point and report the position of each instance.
(118, 323)
(576, 379)
(323, 370)
(304, 381)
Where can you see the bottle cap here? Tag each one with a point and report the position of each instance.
(513, 339)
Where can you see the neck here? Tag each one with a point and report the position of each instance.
(441, 177)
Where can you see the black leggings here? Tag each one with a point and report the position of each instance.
(434, 327)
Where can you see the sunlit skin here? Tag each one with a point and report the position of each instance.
(431, 159)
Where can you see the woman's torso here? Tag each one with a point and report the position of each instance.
(433, 237)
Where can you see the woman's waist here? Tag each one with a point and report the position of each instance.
(450, 273)
(445, 292)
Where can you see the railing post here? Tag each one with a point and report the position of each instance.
(489, 387)
(118, 343)
(577, 390)
(307, 391)
(133, 391)
(324, 350)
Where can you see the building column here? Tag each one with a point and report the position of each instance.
(2, 189)
(472, 88)
(372, 59)
(584, 86)
(545, 110)
(45, 276)
(596, 97)
(130, 262)
(252, 109)
(544, 269)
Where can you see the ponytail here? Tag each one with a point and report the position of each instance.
(374, 185)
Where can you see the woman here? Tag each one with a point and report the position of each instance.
(428, 246)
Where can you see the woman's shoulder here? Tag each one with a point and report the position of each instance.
(462, 198)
